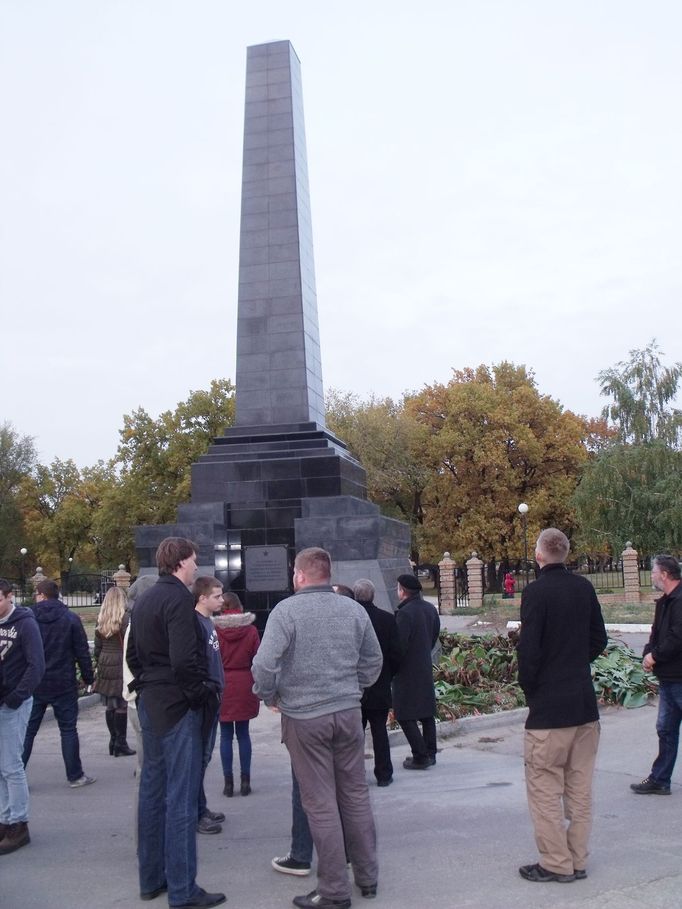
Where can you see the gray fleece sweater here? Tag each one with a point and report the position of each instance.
(319, 651)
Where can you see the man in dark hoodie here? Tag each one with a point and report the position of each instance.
(22, 665)
(66, 646)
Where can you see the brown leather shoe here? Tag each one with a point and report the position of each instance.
(16, 836)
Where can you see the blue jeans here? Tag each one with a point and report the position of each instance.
(301, 837)
(668, 729)
(208, 747)
(227, 731)
(167, 809)
(13, 785)
(65, 707)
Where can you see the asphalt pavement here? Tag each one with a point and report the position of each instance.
(452, 836)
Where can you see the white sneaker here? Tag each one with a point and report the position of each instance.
(82, 781)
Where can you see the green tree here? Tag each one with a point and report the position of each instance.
(633, 489)
(17, 461)
(642, 389)
(493, 442)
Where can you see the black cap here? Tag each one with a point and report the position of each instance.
(409, 582)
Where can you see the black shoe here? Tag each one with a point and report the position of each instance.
(202, 900)
(217, 816)
(412, 763)
(288, 865)
(245, 787)
(580, 874)
(386, 782)
(228, 789)
(432, 760)
(152, 894)
(650, 787)
(369, 891)
(207, 826)
(540, 875)
(314, 900)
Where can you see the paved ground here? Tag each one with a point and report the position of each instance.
(451, 837)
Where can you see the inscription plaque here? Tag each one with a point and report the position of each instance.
(267, 568)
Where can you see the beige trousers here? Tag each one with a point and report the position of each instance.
(559, 768)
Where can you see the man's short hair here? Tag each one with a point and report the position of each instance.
(138, 587)
(172, 551)
(5, 587)
(315, 562)
(232, 601)
(670, 565)
(554, 545)
(48, 589)
(364, 590)
(204, 585)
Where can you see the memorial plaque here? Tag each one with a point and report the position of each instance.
(267, 568)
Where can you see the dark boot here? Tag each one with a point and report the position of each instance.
(121, 748)
(245, 788)
(111, 726)
(229, 786)
(16, 836)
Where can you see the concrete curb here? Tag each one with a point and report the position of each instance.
(87, 701)
(467, 724)
(620, 628)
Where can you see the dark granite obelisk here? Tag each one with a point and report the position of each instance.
(278, 481)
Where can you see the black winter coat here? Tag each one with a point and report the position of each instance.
(378, 695)
(167, 655)
(65, 645)
(418, 623)
(562, 631)
(665, 641)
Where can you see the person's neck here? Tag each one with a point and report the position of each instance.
(203, 610)
(671, 586)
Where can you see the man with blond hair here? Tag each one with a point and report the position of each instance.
(562, 631)
(318, 653)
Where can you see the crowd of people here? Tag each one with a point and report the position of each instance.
(181, 659)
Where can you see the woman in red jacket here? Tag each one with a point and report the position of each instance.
(239, 642)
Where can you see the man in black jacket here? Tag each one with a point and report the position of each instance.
(562, 631)
(376, 700)
(66, 646)
(167, 658)
(414, 697)
(663, 657)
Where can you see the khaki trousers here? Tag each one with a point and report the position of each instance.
(559, 768)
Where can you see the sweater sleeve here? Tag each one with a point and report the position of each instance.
(267, 662)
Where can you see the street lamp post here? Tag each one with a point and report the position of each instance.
(22, 578)
(523, 511)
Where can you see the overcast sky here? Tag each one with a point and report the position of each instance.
(490, 179)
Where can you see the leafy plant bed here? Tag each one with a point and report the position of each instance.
(477, 675)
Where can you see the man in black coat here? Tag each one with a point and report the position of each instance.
(414, 697)
(167, 657)
(376, 701)
(663, 657)
(562, 632)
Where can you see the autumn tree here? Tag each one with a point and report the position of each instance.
(493, 442)
(388, 441)
(17, 461)
(153, 462)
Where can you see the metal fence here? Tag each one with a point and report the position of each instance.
(76, 590)
(605, 574)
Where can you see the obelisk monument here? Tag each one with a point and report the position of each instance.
(278, 481)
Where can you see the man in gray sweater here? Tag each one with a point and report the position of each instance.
(318, 653)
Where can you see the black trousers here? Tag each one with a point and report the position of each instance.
(423, 744)
(383, 768)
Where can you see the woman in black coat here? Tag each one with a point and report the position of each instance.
(111, 628)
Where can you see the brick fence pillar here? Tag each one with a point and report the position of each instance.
(448, 592)
(630, 573)
(475, 581)
(121, 577)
